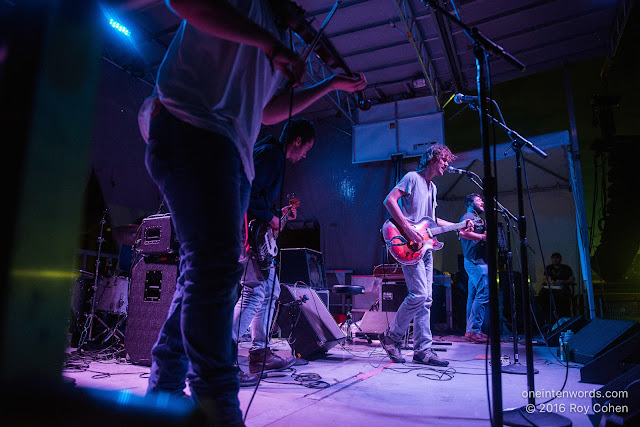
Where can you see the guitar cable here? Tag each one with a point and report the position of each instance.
(277, 264)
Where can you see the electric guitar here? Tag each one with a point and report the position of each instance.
(411, 253)
(262, 238)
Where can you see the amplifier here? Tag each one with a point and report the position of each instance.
(157, 235)
(392, 294)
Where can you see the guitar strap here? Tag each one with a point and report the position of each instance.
(249, 256)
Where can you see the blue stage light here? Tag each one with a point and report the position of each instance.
(118, 26)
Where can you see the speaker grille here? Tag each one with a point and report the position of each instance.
(309, 327)
(598, 336)
(152, 288)
(302, 265)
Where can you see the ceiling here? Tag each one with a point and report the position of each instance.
(408, 49)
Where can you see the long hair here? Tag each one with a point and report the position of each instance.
(436, 151)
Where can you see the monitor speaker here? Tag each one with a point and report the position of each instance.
(574, 325)
(599, 336)
(618, 402)
(153, 282)
(305, 321)
(302, 265)
(374, 323)
(613, 363)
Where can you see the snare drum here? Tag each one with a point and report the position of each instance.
(112, 294)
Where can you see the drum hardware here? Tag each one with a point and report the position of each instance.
(87, 332)
(126, 234)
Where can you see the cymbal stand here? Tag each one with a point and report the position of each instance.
(87, 333)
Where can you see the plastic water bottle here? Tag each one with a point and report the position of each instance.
(561, 346)
(568, 335)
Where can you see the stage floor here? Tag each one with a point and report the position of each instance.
(355, 384)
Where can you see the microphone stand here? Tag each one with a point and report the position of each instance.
(293, 308)
(521, 416)
(482, 46)
(515, 367)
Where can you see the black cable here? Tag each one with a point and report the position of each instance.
(269, 310)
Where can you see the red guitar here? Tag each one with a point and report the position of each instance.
(411, 253)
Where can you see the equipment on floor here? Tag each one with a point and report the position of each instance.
(306, 322)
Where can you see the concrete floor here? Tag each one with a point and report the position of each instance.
(355, 384)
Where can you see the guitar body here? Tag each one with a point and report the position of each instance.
(263, 241)
(410, 253)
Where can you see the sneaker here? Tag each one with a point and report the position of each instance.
(392, 348)
(478, 338)
(267, 359)
(429, 357)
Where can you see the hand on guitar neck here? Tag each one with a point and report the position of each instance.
(288, 212)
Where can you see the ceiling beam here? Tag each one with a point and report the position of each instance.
(444, 31)
(415, 36)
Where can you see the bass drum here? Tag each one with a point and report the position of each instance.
(112, 295)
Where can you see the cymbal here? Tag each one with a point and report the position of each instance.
(125, 234)
(84, 273)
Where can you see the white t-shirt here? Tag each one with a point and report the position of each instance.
(419, 198)
(219, 85)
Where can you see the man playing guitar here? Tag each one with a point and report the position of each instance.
(260, 292)
(411, 200)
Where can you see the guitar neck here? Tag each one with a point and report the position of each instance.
(284, 218)
(446, 228)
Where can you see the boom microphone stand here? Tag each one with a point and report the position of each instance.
(521, 416)
(516, 367)
(481, 48)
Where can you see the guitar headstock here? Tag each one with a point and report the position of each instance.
(294, 202)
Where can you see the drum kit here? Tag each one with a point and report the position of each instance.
(102, 298)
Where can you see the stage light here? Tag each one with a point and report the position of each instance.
(119, 27)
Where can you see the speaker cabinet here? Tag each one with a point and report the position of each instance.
(621, 393)
(613, 363)
(157, 235)
(308, 326)
(599, 336)
(374, 323)
(574, 325)
(302, 265)
(153, 282)
(392, 295)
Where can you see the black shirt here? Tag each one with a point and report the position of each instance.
(474, 250)
(269, 161)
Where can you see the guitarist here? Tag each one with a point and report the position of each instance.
(414, 198)
(475, 264)
(259, 294)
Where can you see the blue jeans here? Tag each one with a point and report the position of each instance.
(417, 305)
(201, 177)
(256, 307)
(477, 296)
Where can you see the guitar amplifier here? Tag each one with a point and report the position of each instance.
(157, 236)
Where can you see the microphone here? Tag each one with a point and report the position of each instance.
(464, 99)
(303, 298)
(451, 169)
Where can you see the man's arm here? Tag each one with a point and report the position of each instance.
(391, 203)
(222, 20)
(277, 109)
(469, 227)
(472, 235)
